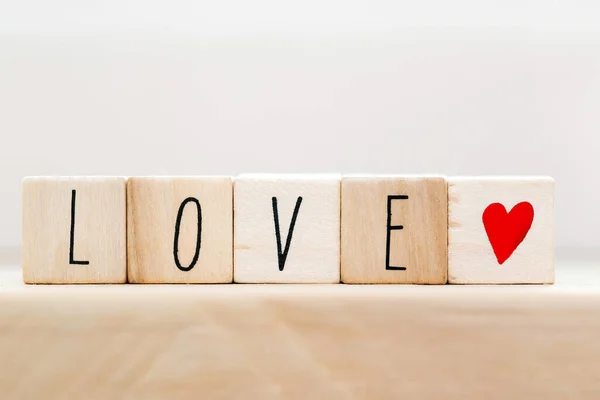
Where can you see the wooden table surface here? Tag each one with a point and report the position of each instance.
(302, 341)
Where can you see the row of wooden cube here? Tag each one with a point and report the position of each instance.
(288, 229)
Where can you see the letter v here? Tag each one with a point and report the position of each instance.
(281, 256)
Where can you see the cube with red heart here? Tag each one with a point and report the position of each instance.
(500, 230)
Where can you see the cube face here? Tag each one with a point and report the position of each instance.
(501, 230)
(74, 230)
(274, 210)
(180, 229)
(394, 230)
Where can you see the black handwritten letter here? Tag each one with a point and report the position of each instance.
(72, 234)
(198, 235)
(281, 256)
(391, 228)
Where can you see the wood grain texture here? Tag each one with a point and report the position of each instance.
(471, 259)
(153, 205)
(420, 246)
(299, 341)
(99, 235)
(314, 250)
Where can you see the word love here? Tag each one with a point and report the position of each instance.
(288, 229)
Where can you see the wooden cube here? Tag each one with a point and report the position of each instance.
(287, 229)
(501, 230)
(180, 229)
(394, 229)
(74, 230)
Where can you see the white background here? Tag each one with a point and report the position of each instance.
(224, 87)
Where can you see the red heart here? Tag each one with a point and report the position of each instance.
(505, 230)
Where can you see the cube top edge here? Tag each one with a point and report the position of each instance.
(305, 177)
(73, 178)
(502, 178)
(392, 176)
(182, 177)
